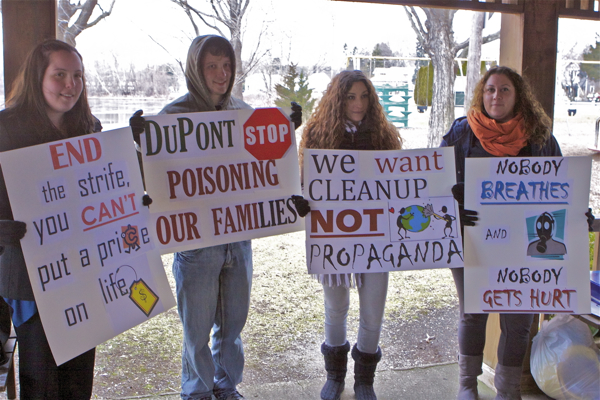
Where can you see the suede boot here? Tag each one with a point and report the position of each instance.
(469, 368)
(507, 381)
(365, 365)
(336, 365)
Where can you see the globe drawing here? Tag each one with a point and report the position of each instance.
(414, 219)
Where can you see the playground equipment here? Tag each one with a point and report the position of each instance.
(385, 92)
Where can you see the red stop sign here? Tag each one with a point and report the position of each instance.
(267, 134)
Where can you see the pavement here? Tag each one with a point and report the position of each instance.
(436, 382)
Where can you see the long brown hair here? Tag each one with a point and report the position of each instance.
(537, 123)
(326, 127)
(26, 95)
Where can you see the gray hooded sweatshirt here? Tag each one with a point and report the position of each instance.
(198, 97)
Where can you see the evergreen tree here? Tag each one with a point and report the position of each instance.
(592, 53)
(295, 88)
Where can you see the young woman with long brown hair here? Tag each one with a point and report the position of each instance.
(48, 102)
(349, 116)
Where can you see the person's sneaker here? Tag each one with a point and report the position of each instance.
(227, 394)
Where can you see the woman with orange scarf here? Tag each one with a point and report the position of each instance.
(505, 120)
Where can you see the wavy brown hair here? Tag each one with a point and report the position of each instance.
(537, 123)
(27, 96)
(326, 127)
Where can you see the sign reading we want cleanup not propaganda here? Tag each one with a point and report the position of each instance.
(529, 253)
(220, 177)
(89, 249)
(376, 211)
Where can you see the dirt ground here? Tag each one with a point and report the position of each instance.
(284, 330)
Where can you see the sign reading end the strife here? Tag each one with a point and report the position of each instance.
(89, 247)
(376, 211)
(529, 252)
(220, 177)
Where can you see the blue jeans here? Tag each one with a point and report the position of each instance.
(213, 292)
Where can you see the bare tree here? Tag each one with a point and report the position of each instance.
(229, 13)
(436, 37)
(474, 60)
(66, 11)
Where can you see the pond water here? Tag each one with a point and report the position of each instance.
(114, 112)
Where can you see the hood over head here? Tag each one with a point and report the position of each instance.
(198, 97)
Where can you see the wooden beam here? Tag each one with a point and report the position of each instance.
(473, 5)
(25, 23)
(540, 36)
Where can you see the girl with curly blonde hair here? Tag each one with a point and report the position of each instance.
(349, 116)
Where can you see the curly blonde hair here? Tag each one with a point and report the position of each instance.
(326, 127)
(537, 123)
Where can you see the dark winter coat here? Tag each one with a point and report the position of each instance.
(466, 145)
(18, 131)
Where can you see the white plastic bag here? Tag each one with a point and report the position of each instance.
(565, 362)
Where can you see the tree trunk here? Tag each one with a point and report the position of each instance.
(442, 108)
(239, 67)
(474, 59)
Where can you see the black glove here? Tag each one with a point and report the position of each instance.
(590, 219)
(296, 115)
(138, 125)
(301, 205)
(11, 232)
(146, 200)
(467, 217)
(458, 191)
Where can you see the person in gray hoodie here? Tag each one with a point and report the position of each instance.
(212, 284)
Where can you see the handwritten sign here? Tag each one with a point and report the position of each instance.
(375, 211)
(212, 182)
(529, 253)
(89, 249)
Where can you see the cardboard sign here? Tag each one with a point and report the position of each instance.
(220, 177)
(376, 211)
(529, 252)
(89, 249)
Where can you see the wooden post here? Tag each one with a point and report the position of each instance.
(25, 23)
(528, 45)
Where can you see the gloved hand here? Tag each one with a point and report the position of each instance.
(590, 219)
(146, 200)
(458, 191)
(467, 217)
(11, 232)
(138, 125)
(301, 205)
(296, 115)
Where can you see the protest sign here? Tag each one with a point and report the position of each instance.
(89, 249)
(376, 211)
(220, 177)
(529, 252)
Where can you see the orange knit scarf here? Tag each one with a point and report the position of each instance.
(501, 139)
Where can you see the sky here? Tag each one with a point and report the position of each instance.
(306, 32)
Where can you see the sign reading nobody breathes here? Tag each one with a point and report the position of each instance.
(220, 177)
(529, 252)
(88, 248)
(376, 211)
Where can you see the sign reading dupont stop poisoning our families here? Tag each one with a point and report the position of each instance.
(220, 177)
